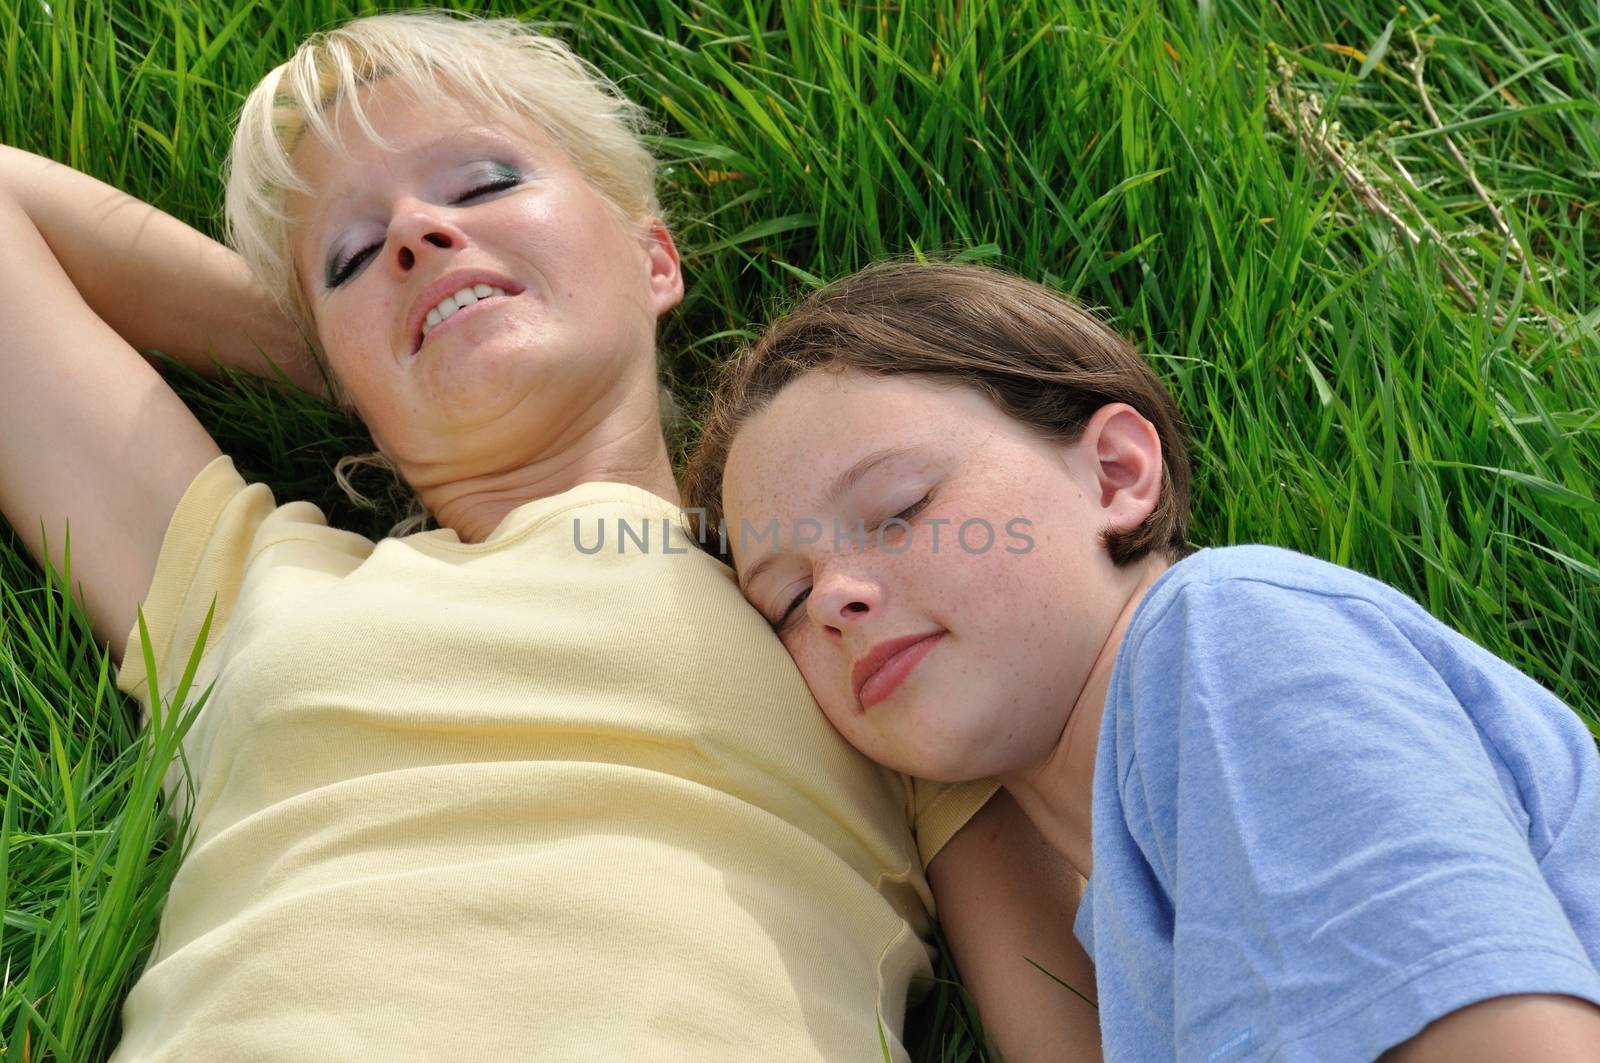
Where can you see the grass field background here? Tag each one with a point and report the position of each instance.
(1360, 241)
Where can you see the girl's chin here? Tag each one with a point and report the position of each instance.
(951, 762)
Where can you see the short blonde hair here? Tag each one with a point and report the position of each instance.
(513, 72)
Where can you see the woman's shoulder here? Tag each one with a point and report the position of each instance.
(220, 527)
(221, 504)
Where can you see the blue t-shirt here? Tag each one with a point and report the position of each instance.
(1322, 820)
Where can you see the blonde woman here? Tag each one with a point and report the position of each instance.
(479, 792)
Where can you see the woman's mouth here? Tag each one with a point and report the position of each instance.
(456, 304)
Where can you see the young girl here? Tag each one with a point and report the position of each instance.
(1317, 823)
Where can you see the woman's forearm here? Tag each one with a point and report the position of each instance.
(159, 283)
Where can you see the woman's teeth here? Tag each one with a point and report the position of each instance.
(451, 303)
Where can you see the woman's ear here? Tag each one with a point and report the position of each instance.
(666, 275)
(1127, 466)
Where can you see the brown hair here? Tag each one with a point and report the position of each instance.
(1040, 357)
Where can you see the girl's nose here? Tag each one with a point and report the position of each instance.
(840, 600)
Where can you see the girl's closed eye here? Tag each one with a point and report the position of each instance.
(791, 611)
(894, 535)
(910, 512)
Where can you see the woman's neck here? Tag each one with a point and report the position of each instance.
(627, 447)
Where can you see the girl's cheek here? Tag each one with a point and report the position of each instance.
(817, 680)
(809, 671)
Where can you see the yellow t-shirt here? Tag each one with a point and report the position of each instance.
(511, 800)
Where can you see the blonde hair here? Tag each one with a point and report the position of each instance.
(512, 72)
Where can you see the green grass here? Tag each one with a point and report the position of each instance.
(1428, 414)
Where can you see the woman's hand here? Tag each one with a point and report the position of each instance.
(157, 282)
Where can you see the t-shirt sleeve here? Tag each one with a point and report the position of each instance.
(202, 561)
(1342, 863)
(937, 811)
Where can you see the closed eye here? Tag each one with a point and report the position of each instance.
(914, 508)
(342, 270)
(500, 183)
(783, 622)
(906, 516)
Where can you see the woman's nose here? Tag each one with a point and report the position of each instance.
(419, 235)
(841, 600)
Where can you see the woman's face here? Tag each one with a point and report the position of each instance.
(954, 643)
(563, 329)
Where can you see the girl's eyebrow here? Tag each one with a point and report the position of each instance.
(852, 476)
(746, 579)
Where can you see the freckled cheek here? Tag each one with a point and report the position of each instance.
(981, 595)
(822, 673)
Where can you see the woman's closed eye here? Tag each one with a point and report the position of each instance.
(499, 182)
(342, 269)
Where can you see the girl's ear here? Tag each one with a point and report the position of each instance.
(1126, 451)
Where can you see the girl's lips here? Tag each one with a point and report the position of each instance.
(883, 682)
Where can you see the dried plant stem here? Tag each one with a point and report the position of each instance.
(1316, 136)
(1417, 65)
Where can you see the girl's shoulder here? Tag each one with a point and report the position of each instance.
(1259, 630)
(1289, 571)
(1274, 590)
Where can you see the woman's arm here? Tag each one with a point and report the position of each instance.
(1007, 901)
(92, 441)
(155, 281)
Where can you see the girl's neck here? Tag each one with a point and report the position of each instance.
(1057, 793)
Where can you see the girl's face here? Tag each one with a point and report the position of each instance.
(954, 642)
(568, 293)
